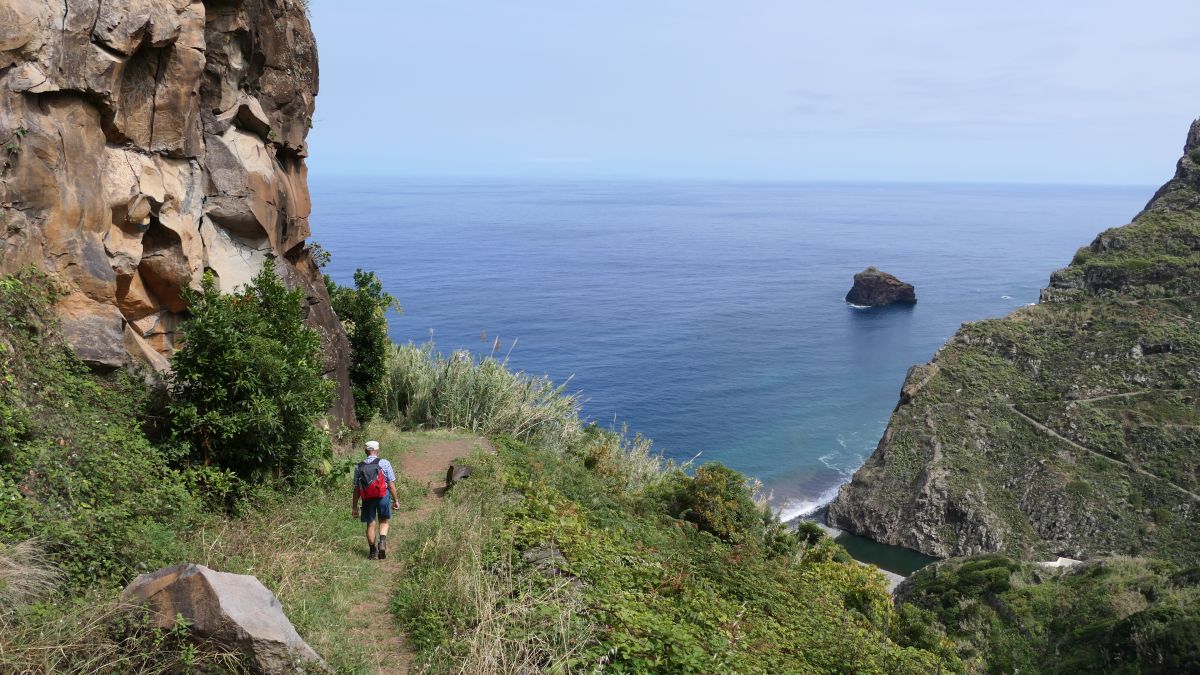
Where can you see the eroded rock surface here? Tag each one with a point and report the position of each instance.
(233, 610)
(875, 288)
(154, 140)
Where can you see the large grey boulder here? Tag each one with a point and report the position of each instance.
(233, 610)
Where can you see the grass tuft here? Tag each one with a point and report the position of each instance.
(425, 389)
(26, 574)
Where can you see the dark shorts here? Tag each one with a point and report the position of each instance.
(381, 507)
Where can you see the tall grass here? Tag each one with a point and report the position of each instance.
(97, 635)
(25, 574)
(426, 389)
(470, 612)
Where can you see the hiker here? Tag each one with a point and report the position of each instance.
(375, 485)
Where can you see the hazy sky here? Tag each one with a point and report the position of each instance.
(1016, 91)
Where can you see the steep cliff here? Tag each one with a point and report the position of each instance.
(1071, 427)
(147, 141)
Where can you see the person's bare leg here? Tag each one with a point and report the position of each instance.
(383, 526)
(371, 533)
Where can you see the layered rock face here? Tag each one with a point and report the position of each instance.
(874, 288)
(1071, 427)
(148, 141)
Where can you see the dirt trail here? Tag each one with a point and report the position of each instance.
(370, 622)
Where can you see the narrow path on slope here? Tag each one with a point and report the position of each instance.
(1047, 430)
(370, 622)
(1127, 394)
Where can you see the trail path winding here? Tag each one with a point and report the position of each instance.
(370, 621)
(1051, 432)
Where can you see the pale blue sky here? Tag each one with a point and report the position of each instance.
(1066, 92)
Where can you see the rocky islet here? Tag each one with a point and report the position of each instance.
(875, 288)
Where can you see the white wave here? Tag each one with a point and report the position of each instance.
(858, 306)
(827, 460)
(846, 461)
(795, 508)
(1006, 297)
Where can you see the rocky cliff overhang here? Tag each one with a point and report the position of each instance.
(147, 142)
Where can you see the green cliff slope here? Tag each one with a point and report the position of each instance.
(1118, 615)
(1067, 428)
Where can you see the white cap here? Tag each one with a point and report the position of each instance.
(372, 446)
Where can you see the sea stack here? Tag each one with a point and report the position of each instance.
(875, 288)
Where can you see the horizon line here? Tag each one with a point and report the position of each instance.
(499, 178)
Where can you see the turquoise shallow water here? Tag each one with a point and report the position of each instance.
(709, 316)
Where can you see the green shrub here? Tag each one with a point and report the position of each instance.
(1079, 488)
(247, 386)
(1165, 638)
(363, 312)
(720, 502)
(14, 420)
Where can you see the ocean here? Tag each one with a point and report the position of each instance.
(710, 316)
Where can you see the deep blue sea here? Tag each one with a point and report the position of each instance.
(710, 316)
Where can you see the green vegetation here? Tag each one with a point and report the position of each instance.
(12, 149)
(247, 386)
(307, 549)
(363, 312)
(1121, 615)
(94, 491)
(1117, 378)
(1154, 430)
(76, 471)
(541, 563)
(577, 549)
(423, 389)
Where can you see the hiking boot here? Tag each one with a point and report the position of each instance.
(374, 554)
(382, 553)
(383, 547)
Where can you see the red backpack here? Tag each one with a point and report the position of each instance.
(370, 480)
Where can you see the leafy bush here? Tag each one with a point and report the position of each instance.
(14, 420)
(247, 386)
(363, 312)
(718, 499)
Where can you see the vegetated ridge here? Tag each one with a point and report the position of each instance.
(1070, 427)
